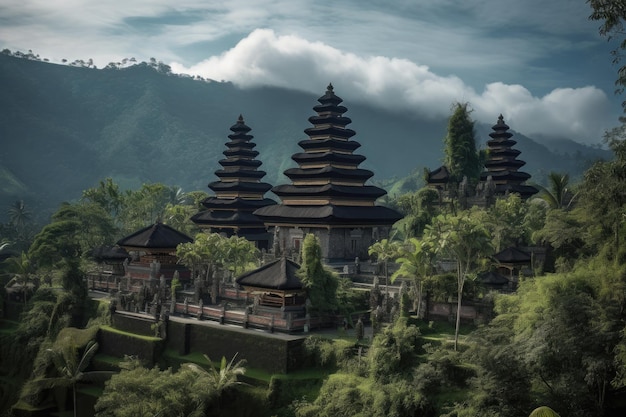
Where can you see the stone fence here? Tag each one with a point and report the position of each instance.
(279, 319)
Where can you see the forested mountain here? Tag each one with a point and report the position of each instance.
(63, 128)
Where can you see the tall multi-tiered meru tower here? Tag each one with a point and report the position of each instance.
(502, 165)
(238, 193)
(328, 195)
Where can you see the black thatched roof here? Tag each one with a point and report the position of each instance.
(156, 236)
(512, 255)
(329, 214)
(276, 275)
(109, 253)
(494, 279)
(440, 175)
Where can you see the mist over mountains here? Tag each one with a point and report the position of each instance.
(64, 128)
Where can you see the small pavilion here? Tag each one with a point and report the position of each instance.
(153, 251)
(512, 262)
(275, 284)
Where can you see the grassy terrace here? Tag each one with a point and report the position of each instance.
(135, 335)
(8, 326)
(257, 376)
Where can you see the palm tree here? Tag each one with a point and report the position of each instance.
(23, 270)
(222, 380)
(416, 262)
(19, 215)
(558, 195)
(71, 368)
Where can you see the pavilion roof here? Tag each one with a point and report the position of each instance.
(156, 236)
(493, 279)
(512, 255)
(276, 275)
(109, 253)
(440, 175)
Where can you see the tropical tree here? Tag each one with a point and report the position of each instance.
(603, 196)
(384, 250)
(558, 194)
(107, 194)
(239, 253)
(23, 271)
(612, 15)
(75, 230)
(147, 205)
(219, 381)
(140, 392)
(566, 332)
(506, 221)
(20, 226)
(179, 217)
(72, 369)
(418, 209)
(461, 157)
(207, 252)
(19, 215)
(416, 259)
(463, 239)
(321, 283)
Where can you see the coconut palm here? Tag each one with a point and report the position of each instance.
(72, 368)
(218, 381)
(558, 194)
(19, 215)
(23, 273)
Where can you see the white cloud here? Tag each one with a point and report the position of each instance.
(264, 58)
(420, 55)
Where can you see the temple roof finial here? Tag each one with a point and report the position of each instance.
(329, 89)
(240, 119)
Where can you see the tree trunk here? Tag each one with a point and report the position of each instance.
(74, 395)
(460, 283)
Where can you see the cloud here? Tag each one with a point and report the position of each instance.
(265, 58)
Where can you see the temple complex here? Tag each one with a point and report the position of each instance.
(328, 195)
(502, 164)
(238, 193)
(501, 177)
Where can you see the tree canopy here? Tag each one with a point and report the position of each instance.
(461, 157)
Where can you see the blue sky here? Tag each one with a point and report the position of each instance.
(540, 63)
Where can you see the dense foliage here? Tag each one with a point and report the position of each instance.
(461, 156)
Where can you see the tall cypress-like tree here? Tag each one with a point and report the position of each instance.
(321, 283)
(461, 157)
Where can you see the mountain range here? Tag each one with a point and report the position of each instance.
(63, 128)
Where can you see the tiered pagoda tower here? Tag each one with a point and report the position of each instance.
(238, 193)
(328, 195)
(502, 164)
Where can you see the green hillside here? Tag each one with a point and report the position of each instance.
(63, 128)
